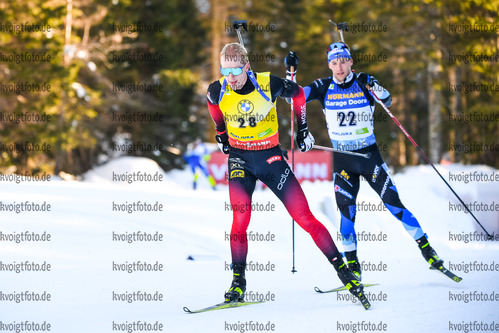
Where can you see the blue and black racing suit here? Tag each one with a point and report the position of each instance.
(348, 109)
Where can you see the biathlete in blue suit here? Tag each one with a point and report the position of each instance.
(196, 156)
(348, 109)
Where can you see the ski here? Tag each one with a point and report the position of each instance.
(341, 288)
(220, 306)
(363, 299)
(448, 273)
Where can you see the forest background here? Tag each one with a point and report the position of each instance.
(85, 81)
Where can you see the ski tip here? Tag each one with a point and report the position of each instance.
(342, 288)
(364, 301)
(186, 309)
(447, 273)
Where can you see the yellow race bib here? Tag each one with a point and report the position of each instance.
(251, 120)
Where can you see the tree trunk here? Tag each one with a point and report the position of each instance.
(218, 27)
(456, 111)
(435, 111)
(59, 160)
(401, 107)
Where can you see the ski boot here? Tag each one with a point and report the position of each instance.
(429, 253)
(353, 263)
(350, 280)
(238, 286)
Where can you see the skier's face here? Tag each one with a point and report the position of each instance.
(236, 82)
(341, 68)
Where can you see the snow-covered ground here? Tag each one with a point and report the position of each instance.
(87, 255)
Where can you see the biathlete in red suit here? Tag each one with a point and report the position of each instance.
(242, 106)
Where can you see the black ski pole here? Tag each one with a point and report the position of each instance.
(341, 26)
(346, 152)
(237, 26)
(426, 158)
(292, 77)
(344, 26)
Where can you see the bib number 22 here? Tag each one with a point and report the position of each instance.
(348, 119)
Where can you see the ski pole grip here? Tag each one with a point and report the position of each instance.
(242, 23)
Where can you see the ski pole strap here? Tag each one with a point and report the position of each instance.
(255, 84)
(257, 87)
(222, 91)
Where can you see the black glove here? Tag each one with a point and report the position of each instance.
(291, 60)
(223, 142)
(305, 140)
(365, 79)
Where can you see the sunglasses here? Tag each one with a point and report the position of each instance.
(234, 70)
